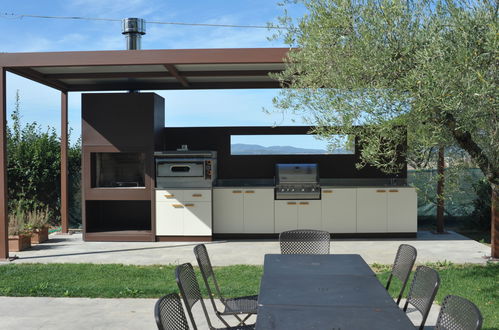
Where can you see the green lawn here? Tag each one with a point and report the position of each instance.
(480, 284)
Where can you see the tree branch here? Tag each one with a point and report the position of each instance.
(465, 141)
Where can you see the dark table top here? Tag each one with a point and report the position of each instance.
(279, 317)
(318, 264)
(324, 292)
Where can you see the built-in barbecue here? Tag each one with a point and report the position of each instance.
(297, 181)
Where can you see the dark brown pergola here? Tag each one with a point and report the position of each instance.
(236, 68)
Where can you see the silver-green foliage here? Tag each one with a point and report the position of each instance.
(428, 65)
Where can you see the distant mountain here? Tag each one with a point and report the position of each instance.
(255, 149)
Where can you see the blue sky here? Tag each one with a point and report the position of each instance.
(183, 108)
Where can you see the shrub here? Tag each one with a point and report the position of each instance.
(17, 221)
(33, 169)
(481, 215)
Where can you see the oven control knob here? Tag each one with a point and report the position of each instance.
(302, 189)
(293, 189)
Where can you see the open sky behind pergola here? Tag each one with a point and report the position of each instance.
(183, 108)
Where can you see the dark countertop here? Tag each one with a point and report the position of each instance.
(325, 183)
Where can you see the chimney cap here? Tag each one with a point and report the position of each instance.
(133, 25)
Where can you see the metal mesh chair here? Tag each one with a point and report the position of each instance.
(169, 313)
(458, 314)
(241, 307)
(402, 266)
(304, 241)
(423, 289)
(191, 294)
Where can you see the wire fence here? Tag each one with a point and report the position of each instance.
(459, 199)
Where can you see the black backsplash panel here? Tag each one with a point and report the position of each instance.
(263, 166)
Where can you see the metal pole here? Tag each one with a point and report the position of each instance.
(133, 29)
(64, 164)
(4, 214)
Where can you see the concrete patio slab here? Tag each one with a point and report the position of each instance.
(450, 247)
(96, 313)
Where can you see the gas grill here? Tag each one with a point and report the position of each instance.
(297, 181)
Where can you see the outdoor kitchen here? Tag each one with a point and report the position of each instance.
(146, 181)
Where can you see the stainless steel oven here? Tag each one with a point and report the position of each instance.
(185, 169)
(297, 181)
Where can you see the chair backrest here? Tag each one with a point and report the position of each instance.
(402, 266)
(304, 241)
(459, 313)
(424, 287)
(169, 313)
(189, 290)
(206, 269)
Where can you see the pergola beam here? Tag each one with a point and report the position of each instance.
(64, 164)
(4, 215)
(145, 57)
(100, 75)
(34, 75)
(174, 72)
(171, 86)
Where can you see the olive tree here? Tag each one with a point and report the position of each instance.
(430, 66)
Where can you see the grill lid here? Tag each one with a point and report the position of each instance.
(297, 174)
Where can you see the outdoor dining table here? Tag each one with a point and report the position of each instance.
(324, 292)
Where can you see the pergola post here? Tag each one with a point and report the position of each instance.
(4, 220)
(64, 164)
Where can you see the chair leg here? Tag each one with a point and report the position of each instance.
(222, 319)
(389, 280)
(243, 322)
(399, 298)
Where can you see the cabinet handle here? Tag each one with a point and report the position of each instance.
(380, 190)
(178, 206)
(189, 205)
(303, 203)
(236, 191)
(249, 191)
(169, 196)
(393, 190)
(291, 203)
(327, 191)
(197, 195)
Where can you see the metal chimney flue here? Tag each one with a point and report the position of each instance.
(133, 29)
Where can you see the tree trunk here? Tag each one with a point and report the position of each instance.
(494, 240)
(440, 190)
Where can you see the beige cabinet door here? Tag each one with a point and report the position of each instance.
(402, 210)
(228, 211)
(197, 218)
(285, 215)
(258, 210)
(371, 210)
(339, 210)
(169, 219)
(309, 214)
